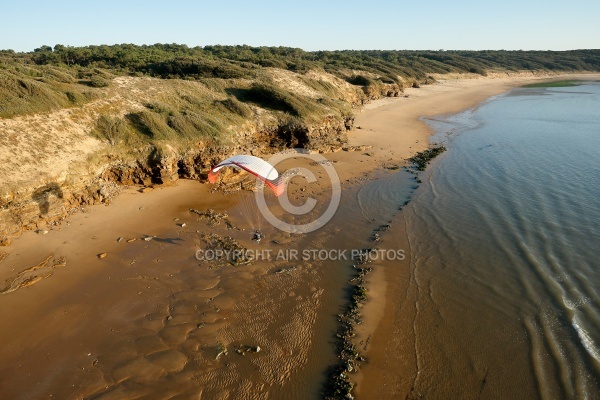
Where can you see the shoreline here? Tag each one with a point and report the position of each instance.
(385, 118)
(374, 378)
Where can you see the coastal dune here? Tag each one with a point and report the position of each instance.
(114, 315)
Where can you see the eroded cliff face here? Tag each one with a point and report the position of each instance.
(40, 206)
(47, 205)
(384, 90)
(166, 166)
(53, 164)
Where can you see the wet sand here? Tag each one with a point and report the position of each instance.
(393, 363)
(149, 319)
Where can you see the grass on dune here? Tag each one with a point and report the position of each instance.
(25, 90)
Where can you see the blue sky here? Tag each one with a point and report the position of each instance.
(308, 24)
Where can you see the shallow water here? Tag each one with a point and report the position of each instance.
(504, 234)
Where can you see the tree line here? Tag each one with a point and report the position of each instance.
(182, 61)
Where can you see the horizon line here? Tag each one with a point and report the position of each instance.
(281, 46)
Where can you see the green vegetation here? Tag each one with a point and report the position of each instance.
(236, 107)
(98, 81)
(237, 82)
(567, 83)
(26, 89)
(234, 62)
(301, 108)
(176, 124)
(111, 129)
(272, 97)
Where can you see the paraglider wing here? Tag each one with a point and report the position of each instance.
(254, 165)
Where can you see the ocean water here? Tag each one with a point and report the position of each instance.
(505, 245)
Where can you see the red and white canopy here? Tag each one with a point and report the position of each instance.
(254, 165)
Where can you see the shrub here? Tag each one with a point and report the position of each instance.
(56, 74)
(194, 125)
(111, 129)
(75, 98)
(271, 63)
(321, 86)
(160, 108)
(20, 95)
(360, 80)
(269, 96)
(98, 81)
(237, 107)
(178, 126)
(152, 124)
(213, 84)
(230, 71)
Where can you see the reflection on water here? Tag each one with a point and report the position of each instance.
(504, 235)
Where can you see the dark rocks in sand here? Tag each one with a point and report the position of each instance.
(284, 270)
(383, 228)
(221, 351)
(214, 217)
(356, 148)
(233, 254)
(339, 385)
(421, 159)
(242, 350)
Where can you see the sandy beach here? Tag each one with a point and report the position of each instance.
(114, 302)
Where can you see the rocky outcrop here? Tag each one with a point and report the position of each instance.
(330, 133)
(377, 91)
(48, 204)
(166, 166)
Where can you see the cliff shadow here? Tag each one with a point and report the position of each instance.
(42, 196)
